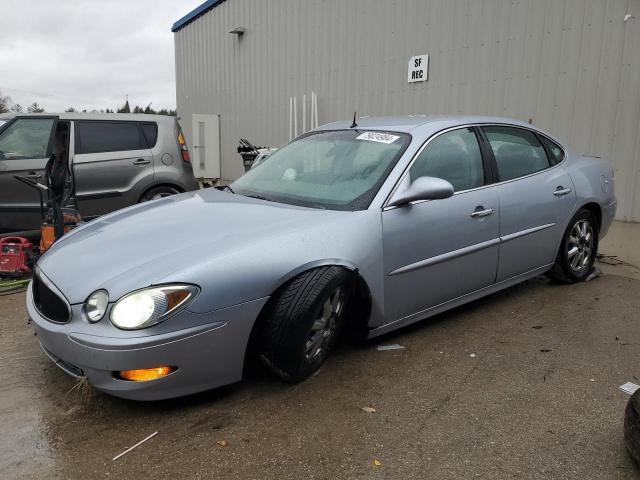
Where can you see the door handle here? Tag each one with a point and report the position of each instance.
(33, 175)
(481, 212)
(560, 191)
(142, 161)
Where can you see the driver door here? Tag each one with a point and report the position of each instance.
(438, 250)
(25, 143)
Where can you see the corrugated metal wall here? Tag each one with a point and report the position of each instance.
(572, 66)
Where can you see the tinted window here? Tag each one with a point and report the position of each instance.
(97, 137)
(26, 138)
(454, 156)
(556, 154)
(518, 152)
(150, 132)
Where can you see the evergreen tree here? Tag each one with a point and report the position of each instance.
(125, 108)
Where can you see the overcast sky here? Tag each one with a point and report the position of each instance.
(89, 53)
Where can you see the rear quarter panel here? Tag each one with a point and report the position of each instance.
(594, 182)
(169, 168)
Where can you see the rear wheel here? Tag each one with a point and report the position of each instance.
(159, 192)
(577, 250)
(303, 322)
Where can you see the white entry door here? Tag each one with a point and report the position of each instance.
(206, 145)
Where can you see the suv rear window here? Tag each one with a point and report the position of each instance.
(150, 131)
(94, 137)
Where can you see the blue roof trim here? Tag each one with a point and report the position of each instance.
(195, 13)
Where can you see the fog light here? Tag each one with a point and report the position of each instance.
(146, 374)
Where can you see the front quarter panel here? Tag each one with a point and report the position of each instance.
(257, 269)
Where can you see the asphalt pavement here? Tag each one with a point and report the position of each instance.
(522, 384)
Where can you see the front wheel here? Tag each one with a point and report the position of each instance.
(577, 250)
(303, 322)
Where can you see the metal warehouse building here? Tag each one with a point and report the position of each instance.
(250, 69)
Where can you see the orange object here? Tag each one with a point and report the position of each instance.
(47, 230)
(47, 237)
(146, 374)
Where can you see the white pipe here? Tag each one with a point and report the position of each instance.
(315, 109)
(304, 113)
(295, 117)
(311, 115)
(290, 118)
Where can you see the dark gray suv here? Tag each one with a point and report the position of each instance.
(116, 160)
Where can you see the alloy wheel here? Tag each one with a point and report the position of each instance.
(580, 245)
(324, 327)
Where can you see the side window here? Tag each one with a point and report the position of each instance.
(26, 138)
(518, 152)
(454, 156)
(94, 137)
(150, 132)
(556, 153)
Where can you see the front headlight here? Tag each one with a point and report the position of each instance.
(150, 306)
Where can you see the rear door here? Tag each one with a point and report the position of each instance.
(536, 198)
(25, 144)
(436, 251)
(113, 165)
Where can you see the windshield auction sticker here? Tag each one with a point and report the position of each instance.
(379, 137)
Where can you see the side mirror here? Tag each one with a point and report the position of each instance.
(422, 188)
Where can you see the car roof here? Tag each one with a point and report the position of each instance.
(139, 117)
(409, 123)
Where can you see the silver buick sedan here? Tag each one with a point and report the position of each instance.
(365, 226)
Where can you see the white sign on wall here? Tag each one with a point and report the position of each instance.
(418, 68)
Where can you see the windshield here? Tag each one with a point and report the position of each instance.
(339, 170)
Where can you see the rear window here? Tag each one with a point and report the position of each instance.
(556, 154)
(150, 132)
(95, 137)
(518, 152)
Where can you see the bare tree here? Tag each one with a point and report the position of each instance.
(35, 108)
(17, 108)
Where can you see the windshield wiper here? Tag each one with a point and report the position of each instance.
(229, 189)
(259, 197)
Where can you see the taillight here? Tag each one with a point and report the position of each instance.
(183, 148)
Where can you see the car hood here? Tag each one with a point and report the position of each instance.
(150, 242)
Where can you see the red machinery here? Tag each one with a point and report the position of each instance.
(15, 256)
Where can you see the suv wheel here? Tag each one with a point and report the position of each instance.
(159, 192)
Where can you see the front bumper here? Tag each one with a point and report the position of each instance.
(208, 354)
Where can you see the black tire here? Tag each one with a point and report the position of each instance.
(632, 427)
(576, 267)
(293, 316)
(158, 192)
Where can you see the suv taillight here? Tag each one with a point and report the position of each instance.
(183, 148)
